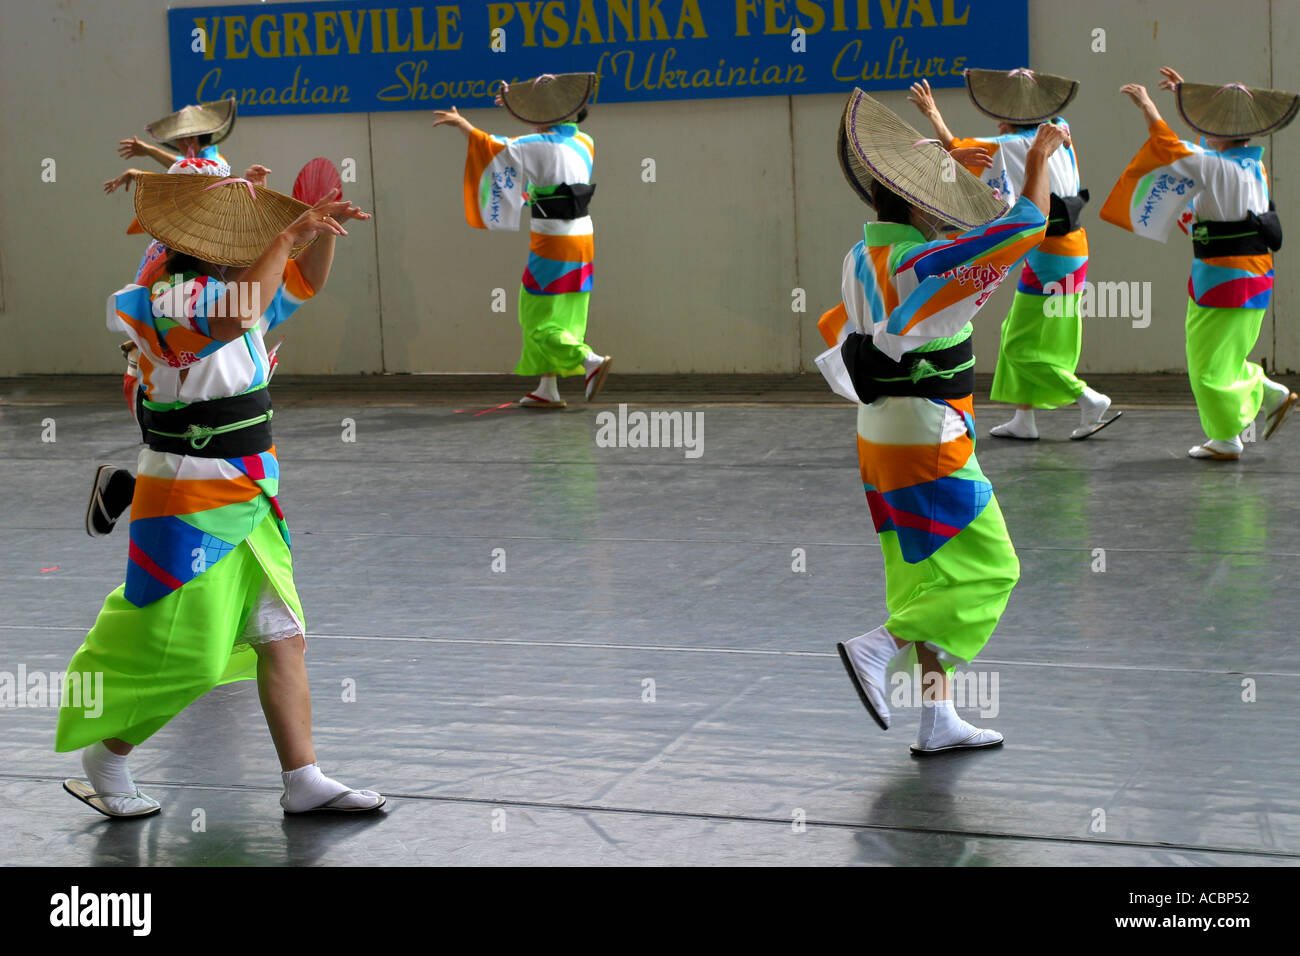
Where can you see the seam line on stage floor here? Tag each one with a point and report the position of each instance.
(714, 541)
(678, 648)
(735, 818)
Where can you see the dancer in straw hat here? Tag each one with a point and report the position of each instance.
(191, 135)
(550, 172)
(1221, 191)
(209, 596)
(1042, 335)
(112, 489)
(901, 348)
(194, 130)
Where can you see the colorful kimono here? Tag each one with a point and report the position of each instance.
(209, 571)
(949, 563)
(1042, 335)
(1227, 295)
(501, 176)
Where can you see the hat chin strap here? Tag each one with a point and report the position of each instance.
(233, 179)
(1232, 86)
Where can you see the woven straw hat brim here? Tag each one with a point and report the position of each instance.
(1235, 112)
(857, 176)
(553, 100)
(221, 224)
(1020, 96)
(878, 144)
(187, 167)
(216, 118)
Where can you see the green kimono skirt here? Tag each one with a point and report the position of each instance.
(158, 659)
(1228, 388)
(553, 328)
(1039, 352)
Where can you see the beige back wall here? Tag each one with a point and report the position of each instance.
(695, 271)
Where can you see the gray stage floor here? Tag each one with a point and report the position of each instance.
(503, 713)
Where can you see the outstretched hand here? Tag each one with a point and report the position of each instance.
(1171, 79)
(256, 174)
(134, 146)
(1138, 94)
(323, 219)
(451, 117)
(972, 156)
(922, 98)
(121, 182)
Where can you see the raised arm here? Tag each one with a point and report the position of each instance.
(923, 99)
(259, 282)
(452, 117)
(136, 147)
(1142, 99)
(123, 181)
(1038, 187)
(316, 260)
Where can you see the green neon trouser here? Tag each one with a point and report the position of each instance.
(553, 328)
(954, 598)
(1039, 352)
(1228, 389)
(158, 659)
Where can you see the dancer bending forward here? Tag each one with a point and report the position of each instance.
(209, 596)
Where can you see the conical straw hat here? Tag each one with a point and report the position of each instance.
(857, 175)
(875, 143)
(1234, 111)
(228, 222)
(217, 118)
(1019, 96)
(190, 166)
(548, 98)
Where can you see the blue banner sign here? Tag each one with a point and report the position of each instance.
(366, 56)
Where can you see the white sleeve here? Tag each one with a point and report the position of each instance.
(854, 294)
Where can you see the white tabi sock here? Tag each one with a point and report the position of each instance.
(1092, 406)
(870, 655)
(875, 649)
(941, 727)
(108, 773)
(592, 362)
(548, 389)
(307, 788)
(1021, 426)
(1231, 446)
(1275, 393)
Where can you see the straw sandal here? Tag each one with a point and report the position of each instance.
(329, 805)
(106, 504)
(1087, 431)
(1209, 454)
(1275, 418)
(596, 377)
(976, 741)
(95, 801)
